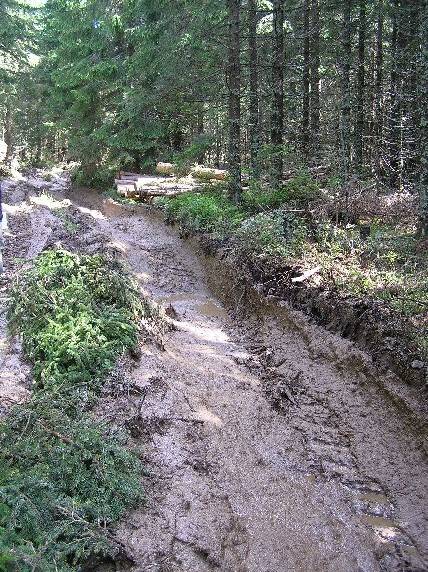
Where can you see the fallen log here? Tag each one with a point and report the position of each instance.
(207, 173)
(141, 186)
(165, 168)
(125, 190)
(125, 181)
(128, 175)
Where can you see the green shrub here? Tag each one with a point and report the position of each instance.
(298, 191)
(207, 212)
(262, 236)
(302, 189)
(271, 236)
(257, 200)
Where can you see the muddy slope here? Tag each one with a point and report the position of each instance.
(269, 446)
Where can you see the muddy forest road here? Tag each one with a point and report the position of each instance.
(270, 444)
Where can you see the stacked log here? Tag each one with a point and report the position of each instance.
(135, 185)
(165, 168)
(207, 174)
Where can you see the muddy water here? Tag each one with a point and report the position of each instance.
(270, 444)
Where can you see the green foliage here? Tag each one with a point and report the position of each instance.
(76, 315)
(262, 236)
(299, 191)
(64, 479)
(192, 154)
(5, 171)
(302, 189)
(70, 225)
(271, 236)
(207, 212)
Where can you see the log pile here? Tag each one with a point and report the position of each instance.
(144, 187)
(136, 186)
(197, 171)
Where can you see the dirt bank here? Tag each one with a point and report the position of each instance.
(268, 443)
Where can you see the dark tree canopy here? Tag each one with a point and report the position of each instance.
(255, 84)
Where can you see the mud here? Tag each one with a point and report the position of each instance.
(387, 336)
(270, 444)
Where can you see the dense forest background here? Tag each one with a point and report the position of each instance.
(260, 86)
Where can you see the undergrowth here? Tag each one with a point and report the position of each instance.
(65, 478)
(277, 228)
(207, 212)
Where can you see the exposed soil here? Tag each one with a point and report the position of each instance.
(271, 444)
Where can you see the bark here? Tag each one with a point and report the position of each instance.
(423, 183)
(234, 100)
(396, 96)
(277, 115)
(254, 125)
(360, 115)
(8, 134)
(378, 88)
(315, 78)
(201, 130)
(306, 142)
(345, 112)
(412, 80)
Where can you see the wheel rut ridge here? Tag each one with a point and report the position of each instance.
(328, 453)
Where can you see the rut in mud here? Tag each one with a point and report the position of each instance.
(269, 443)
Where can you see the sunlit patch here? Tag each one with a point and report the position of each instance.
(384, 528)
(22, 208)
(119, 246)
(143, 276)
(50, 202)
(215, 335)
(208, 416)
(97, 215)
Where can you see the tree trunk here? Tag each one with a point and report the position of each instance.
(315, 78)
(234, 107)
(360, 116)
(378, 111)
(200, 130)
(345, 112)
(8, 135)
(394, 143)
(423, 183)
(306, 141)
(277, 116)
(254, 88)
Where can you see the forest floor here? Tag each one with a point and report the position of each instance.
(270, 443)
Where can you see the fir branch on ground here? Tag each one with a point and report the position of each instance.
(63, 479)
(76, 315)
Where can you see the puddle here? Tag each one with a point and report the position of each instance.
(211, 310)
(378, 498)
(203, 305)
